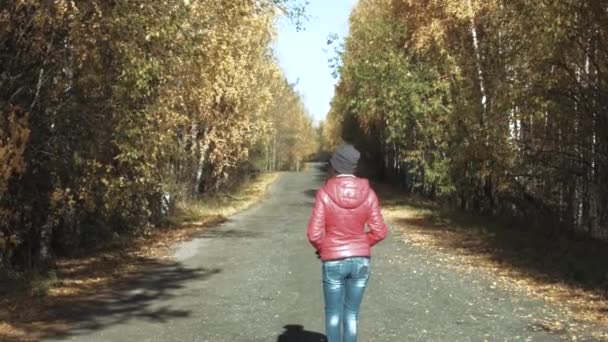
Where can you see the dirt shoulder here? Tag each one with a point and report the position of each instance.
(46, 305)
(570, 273)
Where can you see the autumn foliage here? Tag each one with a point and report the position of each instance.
(497, 107)
(112, 111)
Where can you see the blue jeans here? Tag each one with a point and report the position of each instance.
(344, 283)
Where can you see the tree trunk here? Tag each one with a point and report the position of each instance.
(482, 88)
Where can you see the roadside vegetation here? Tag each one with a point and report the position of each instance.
(494, 107)
(36, 305)
(114, 113)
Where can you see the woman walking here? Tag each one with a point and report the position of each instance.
(343, 206)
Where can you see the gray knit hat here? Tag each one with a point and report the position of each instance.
(345, 159)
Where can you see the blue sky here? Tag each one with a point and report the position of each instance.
(304, 55)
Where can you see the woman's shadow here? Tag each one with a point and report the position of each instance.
(296, 333)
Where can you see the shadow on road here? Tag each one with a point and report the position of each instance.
(296, 333)
(84, 307)
(139, 299)
(575, 261)
(543, 256)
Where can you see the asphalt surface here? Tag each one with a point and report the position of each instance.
(255, 278)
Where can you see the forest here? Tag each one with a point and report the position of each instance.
(132, 131)
(111, 112)
(495, 107)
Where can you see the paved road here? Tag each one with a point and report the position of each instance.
(255, 278)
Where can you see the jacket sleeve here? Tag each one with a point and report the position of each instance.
(316, 224)
(377, 228)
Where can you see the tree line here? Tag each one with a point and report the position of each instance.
(113, 111)
(498, 107)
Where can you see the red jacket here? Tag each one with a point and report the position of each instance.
(343, 206)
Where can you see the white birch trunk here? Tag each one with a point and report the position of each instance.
(482, 87)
